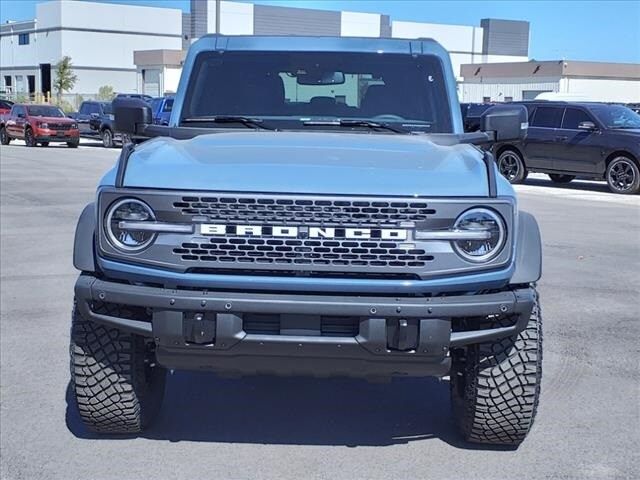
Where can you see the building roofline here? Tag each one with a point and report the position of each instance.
(551, 68)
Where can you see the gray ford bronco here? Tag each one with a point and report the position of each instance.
(312, 208)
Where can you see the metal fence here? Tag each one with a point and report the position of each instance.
(69, 102)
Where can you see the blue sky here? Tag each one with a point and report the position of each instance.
(607, 31)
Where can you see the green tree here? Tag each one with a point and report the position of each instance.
(65, 78)
(106, 93)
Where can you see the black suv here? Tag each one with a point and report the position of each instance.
(565, 140)
(472, 115)
(95, 120)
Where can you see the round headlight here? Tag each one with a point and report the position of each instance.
(125, 237)
(486, 223)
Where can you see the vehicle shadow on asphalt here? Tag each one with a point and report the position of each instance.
(203, 407)
(578, 185)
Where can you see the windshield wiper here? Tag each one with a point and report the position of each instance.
(248, 122)
(356, 123)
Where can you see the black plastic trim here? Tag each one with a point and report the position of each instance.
(528, 251)
(127, 150)
(84, 243)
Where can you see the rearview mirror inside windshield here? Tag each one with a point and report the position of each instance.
(319, 78)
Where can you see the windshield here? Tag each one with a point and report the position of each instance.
(291, 88)
(616, 116)
(44, 111)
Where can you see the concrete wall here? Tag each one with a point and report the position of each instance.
(499, 89)
(99, 38)
(235, 18)
(464, 43)
(353, 24)
(604, 90)
(593, 89)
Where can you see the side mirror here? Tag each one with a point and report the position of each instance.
(506, 122)
(132, 115)
(589, 126)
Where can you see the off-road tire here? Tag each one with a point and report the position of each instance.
(495, 386)
(73, 144)
(4, 136)
(560, 178)
(511, 166)
(107, 138)
(116, 385)
(29, 138)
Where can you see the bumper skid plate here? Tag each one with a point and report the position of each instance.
(392, 336)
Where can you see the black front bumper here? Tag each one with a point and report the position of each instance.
(395, 336)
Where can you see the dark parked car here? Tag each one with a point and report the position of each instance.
(634, 106)
(161, 110)
(95, 120)
(141, 96)
(471, 114)
(566, 140)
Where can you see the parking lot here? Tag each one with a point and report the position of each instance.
(589, 419)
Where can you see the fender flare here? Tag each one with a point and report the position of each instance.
(528, 251)
(84, 243)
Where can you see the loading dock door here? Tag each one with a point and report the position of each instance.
(45, 77)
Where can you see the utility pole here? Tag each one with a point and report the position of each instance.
(217, 16)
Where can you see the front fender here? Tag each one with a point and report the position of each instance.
(84, 244)
(528, 251)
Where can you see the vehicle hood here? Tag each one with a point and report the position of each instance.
(309, 162)
(53, 119)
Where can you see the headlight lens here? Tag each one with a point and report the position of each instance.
(74, 126)
(484, 220)
(129, 210)
(43, 125)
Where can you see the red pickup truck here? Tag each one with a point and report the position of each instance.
(38, 124)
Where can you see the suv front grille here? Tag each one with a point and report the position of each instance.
(59, 126)
(343, 253)
(291, 211)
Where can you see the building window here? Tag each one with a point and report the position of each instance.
(486, 99)
(508, 99)
(23, 39)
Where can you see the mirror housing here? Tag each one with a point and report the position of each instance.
(589, 126)
(131, 115)
(505, 122)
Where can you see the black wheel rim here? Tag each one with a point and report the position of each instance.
(29, 138)
(509, 165)
(622, 175)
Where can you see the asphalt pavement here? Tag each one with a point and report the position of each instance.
(588, 424)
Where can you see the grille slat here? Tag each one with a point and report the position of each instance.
(304, 252)
(304, 212)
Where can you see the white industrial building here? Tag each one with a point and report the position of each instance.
(564, 79)
(493, 41)
(99, 38)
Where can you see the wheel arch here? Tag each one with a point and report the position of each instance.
(510, 146)
(528, 250)
(84, 241)
(620, 153)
